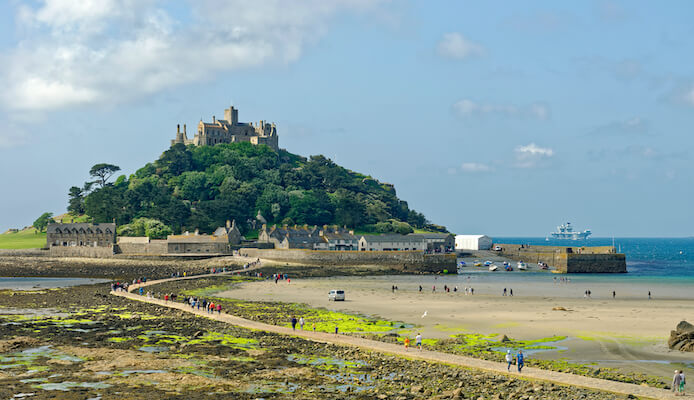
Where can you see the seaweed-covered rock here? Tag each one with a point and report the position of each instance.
(682, 338)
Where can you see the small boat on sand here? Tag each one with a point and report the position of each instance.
(477, 263)
(522, 266)
(493, 267)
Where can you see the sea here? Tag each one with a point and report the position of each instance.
(647, 258)
(31, 283)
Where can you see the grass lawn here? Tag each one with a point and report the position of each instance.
(27, 239)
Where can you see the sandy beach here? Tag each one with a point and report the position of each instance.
(629, 332)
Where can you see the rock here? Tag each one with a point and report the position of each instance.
(682, 338)
(416, 389)
(505, 339)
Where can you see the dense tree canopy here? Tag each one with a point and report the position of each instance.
(192, 187)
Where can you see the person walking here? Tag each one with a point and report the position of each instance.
(314, 326)
(301, 323)
(649, 295)
(418, 341)
(509, 359)
(407, 343)
(510, 292)
(676, 381)
(293, 323)
(614, 294)
(504, 292)
(520, 360)
(682, 383)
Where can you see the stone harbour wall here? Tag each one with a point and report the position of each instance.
(413, 261)
(599, 259)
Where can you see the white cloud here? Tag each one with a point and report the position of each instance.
(455, 46)
(531, 155)
(689, 96)
(467, 108)
(475, 167)
(105, 51)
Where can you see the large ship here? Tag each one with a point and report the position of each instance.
(566, 232)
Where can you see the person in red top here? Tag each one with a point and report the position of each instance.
(219, 308)
(166, 297)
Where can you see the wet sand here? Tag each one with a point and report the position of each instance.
(629, 332)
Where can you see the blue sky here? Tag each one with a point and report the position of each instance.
(504, 118)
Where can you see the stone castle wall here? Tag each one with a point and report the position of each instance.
(412, 261)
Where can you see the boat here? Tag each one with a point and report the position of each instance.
(477, 263)
(566, 232)
(522, 266)
(542, 265)
(493, 267)
(487, 263)
(508, 267)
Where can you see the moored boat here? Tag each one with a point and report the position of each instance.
(493, 267)
(522, 266)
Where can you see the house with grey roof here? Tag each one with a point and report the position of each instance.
(392, 242)
(81, 234)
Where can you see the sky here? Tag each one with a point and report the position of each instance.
(490, 117)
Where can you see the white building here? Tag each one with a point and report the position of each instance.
(473, 242)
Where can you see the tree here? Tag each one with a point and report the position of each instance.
(42, 222)
(102, 172)
(76, 201)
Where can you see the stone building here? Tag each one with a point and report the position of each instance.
(80, 234)
(220, 242)
(392, 242)
(437, 242)
(229, 130)
(310, 238)
(336, 238)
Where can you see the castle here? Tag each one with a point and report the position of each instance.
(229, 130)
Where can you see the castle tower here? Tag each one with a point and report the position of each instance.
(231, 114)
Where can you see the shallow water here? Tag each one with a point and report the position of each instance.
(28, 283)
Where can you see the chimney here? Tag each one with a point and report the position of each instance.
(228, 224)
(214, 120)
(197, 231)
(184, 128)
(178, 128)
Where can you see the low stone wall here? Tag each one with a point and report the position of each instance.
(81, 251)
(412, 261)
(153, 247)
(24, 252)
(598, 259)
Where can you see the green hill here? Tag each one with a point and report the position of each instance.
(192, 187)
(24, 239)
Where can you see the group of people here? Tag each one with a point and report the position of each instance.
(417, 340)
(508, 292)
(119, 286)
(281, 277)
(446, 288)
(208, 306)
(520, 360)
(251, 264)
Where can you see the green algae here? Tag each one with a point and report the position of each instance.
(119, 339)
